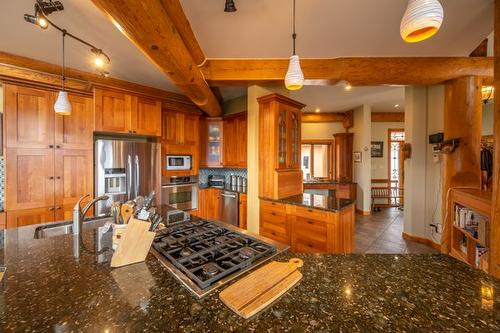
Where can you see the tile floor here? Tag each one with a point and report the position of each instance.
(381, 233)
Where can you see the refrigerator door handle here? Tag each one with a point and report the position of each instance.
(137, 174)
(129, 177)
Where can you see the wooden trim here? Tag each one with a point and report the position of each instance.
(386, 117)
(362, 212)
(357, 71)
(16, 69)
(331, 153)
(282, 99)
(149, 26)
(334, 117)
(421, 240)
(495, 211)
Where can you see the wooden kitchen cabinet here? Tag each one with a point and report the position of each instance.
(180, 128)
(29, 117)
(208, 203)
(308, 230)
(213, 141)
(235, 141)
(76, 131)
(146, 119)
(118, 112)
(29, 178)
(45, 176)
(19, 218)
(280, 174)
(74, 175)
(243, 211)
(343, 156)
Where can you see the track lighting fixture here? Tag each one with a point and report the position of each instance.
(100, 61)
(230, 7)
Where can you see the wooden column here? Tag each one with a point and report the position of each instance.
(462, 119)
(495, 203)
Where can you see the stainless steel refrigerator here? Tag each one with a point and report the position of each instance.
(125, 170)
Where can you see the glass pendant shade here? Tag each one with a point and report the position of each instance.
(294, 79)
(62, 105)
(422, 20)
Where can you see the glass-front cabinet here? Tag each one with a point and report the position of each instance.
(214, 143)
(288, 138)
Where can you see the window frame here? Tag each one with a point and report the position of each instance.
(331, 164)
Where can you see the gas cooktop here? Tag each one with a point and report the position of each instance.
(205, 254)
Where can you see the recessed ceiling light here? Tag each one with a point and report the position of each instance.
(396, 105)
(347, 86)
(317, 110)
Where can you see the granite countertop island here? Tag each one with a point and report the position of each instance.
(316, 201)
(46, 289)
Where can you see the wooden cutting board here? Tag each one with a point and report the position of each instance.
(259, 289)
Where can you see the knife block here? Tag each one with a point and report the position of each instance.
(134, 245)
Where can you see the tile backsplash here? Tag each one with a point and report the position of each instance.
(226, 172)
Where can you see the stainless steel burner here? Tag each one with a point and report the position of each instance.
(185, 252)
(247, 253)
(210, 269)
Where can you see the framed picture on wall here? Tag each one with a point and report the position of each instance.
(357, 156)
(377, 149)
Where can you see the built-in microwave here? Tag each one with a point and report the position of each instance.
(178, 162)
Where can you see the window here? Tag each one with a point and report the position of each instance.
(316, 159)
(396, 164)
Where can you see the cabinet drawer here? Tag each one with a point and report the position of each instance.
(271, 206)
(272, 231)
(309, 235)
(312, 214)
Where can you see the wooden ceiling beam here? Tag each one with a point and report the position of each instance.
(357, 71)
(327, 117)
(18, 68)
(386, 117)
(148, 25)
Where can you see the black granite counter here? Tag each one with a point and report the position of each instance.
(47, 290)
(316, 201)
(230, 188)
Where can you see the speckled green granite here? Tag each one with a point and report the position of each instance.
(47, 290)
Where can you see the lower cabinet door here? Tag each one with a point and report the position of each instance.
(74, 176)
(308, 235)
(19, 218)
(243, 212)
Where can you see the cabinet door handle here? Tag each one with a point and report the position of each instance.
(58, 177)
(51, 178)
(58, 147)
(51, 146)
(273, 213)
(58, 207)
(309, 245)
(310, 222)
(52, 208)
(310, 210)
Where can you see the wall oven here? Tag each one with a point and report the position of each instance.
(178, 162)
(180, 192)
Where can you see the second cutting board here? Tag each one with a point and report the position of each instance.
(259, 289)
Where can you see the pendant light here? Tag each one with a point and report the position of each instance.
(422, 20)
(62, 105)
(294, 79)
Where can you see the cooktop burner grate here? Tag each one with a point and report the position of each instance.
(206, 252)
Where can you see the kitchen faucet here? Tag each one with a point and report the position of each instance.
(79, 213)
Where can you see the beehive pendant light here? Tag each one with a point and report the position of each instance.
(62, 105)
(422, 20)
(294, 79)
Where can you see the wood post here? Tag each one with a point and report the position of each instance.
(495, 202)
(462, 119)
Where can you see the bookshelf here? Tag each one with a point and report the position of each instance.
(470, 234)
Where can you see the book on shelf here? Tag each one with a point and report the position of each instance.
(472, 222)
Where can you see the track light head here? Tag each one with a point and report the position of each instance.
(38, 20)
(230, 7)
(100, 61)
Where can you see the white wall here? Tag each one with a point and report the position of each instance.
(424, 115)
(321, 131)
(379, 165)
(362, 141)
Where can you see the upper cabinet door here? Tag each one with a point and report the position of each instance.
(214, 143)
(113, 111)
(191, 135)
(169, 130)
(230, 142)
(75, 131)
(29, 117)
(282, 138)
(146, 116)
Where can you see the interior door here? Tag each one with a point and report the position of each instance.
(146, 168)
(74, 176)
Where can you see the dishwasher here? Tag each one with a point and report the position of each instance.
(228, 207)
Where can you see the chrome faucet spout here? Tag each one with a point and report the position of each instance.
(79, 213)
